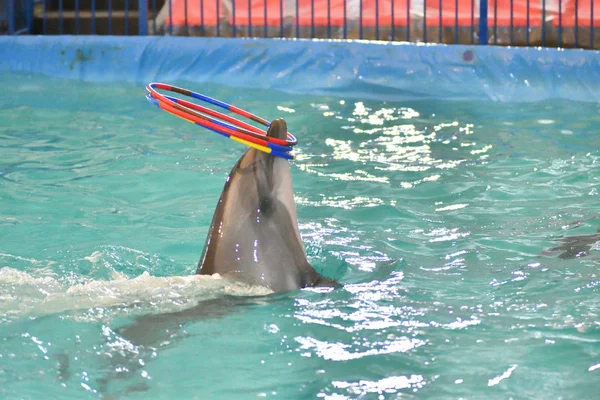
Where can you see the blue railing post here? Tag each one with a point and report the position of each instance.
(93, 17)
(60, 17)
(110, 17)
(345, 18)
(483, 22)
(592, 24)
(29, 16)
(77, 17)
(544, 22)
(143, 17)
(11, 17)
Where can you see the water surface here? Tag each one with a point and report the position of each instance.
(436, 216)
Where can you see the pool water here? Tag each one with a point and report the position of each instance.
(438, 217)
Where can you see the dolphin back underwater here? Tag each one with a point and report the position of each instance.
(253, 238)
(254, 235)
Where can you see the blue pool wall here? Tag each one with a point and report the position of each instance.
(352, 69)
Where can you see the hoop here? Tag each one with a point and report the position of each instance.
(218, 122)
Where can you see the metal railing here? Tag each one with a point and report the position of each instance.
(16, 17)
(556, 23)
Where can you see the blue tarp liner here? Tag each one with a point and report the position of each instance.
(361, 70)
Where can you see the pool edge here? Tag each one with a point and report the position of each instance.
(352, 69)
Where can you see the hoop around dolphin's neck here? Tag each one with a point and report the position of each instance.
(254, 235)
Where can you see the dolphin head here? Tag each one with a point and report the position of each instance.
(254, 235)
(278, 129)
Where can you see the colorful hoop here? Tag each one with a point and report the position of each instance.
(218, 122)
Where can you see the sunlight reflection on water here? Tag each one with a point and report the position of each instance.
(389, 141)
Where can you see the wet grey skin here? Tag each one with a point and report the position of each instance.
(570, 247)
(254, 235)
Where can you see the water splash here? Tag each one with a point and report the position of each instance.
(41, 291)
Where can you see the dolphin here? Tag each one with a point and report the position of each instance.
(254, 236)
(577, 246)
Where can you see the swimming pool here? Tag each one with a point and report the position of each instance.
(437, 215)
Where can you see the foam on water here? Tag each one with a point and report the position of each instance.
(41, 291)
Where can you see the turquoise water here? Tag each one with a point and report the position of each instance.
(436, 216)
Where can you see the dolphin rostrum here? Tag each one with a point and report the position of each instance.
(254, 235)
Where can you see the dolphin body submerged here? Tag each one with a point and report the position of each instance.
(254, 235)
(253, 238)
(578, 246)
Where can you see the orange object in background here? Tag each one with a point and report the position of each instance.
(584, 13)
(467, 13)
(331, 12)
(519, 13)
(383, 9)
(322, 17)
(199, 12)
(255, 15)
